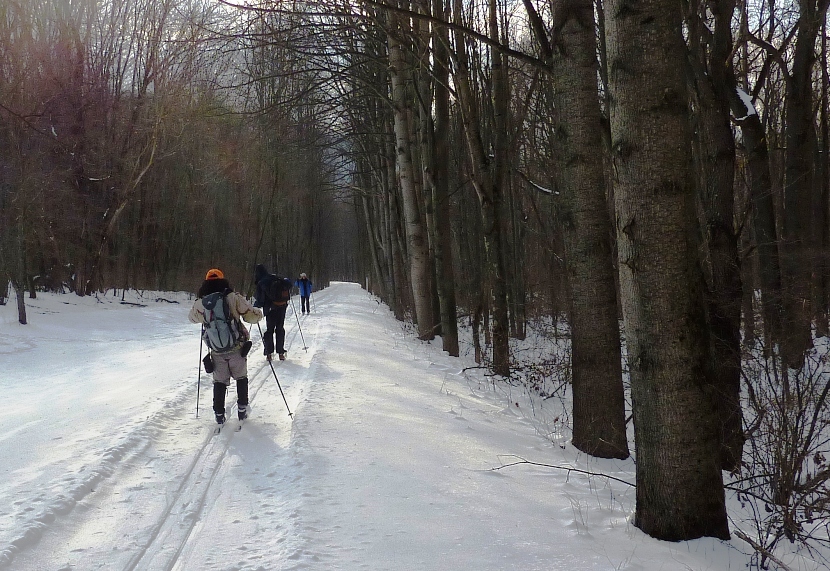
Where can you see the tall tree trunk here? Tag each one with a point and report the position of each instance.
(389, 252)
(598, 394)
(517, 296)
(822, 216)
(424, 144)
(798, 188)
(403, 291)
(756, 149)
(763, 222)
(444, 273)
(493, 201)
(716, 171)
(488, 180)
(417, 245)
(680, 492)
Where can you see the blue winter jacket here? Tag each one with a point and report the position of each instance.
(305, 286)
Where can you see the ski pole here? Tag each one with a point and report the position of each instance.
(294, 309)
(199, 382)
(275, 375)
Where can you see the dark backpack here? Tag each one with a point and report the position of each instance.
(221, 329)
(279, 291)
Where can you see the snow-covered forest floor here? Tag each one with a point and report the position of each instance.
(398, 456)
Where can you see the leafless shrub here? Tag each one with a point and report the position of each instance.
(785, 480)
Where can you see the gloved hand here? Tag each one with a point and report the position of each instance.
(246, 346)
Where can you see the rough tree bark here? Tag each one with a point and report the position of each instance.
(680, 492)
(798, 187)
(598, 394)
(715, 155)
(821, 280)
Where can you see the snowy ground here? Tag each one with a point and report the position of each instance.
(390, 462)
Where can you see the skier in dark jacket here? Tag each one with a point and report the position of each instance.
(305, 286)
(274, 310)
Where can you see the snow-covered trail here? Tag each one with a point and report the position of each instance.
(387, 463)
(128, 483)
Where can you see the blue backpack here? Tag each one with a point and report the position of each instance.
(221, 329)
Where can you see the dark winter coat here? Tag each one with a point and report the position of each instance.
(263, 282)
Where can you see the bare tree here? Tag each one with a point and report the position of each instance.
(599, 403)
(679, 484)
(440, 135)
(800, 146)
(714, 150)
(488, 172)
(400, 71)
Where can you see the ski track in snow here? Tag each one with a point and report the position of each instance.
(166, 539)
(390, 461)
(169, 539)
(76, 487)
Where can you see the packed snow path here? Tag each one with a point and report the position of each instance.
(387, 464)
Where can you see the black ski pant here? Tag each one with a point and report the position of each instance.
(304, 303)
(220, 389)
(274, 327)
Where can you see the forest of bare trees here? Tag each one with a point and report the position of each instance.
(652, 176)
(144, 141)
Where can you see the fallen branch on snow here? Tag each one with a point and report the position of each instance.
(566, 468)
(761, 549)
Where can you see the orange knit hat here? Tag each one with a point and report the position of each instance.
(215, 274)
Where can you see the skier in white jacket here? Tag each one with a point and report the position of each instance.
(229, 361)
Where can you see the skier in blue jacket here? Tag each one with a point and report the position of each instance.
(305, 286)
